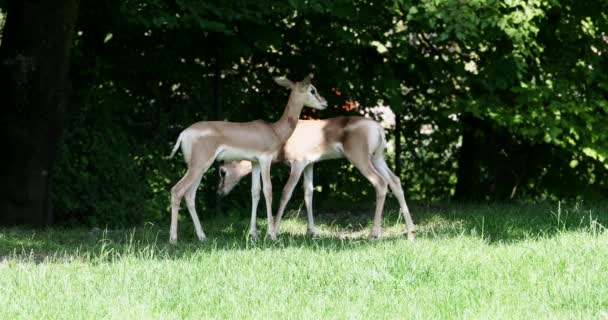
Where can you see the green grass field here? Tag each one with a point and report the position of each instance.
(469, 261)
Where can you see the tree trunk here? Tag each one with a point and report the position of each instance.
(468, 165)
(34, 60)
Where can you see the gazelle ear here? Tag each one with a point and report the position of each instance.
(284, 82)
(308, 79)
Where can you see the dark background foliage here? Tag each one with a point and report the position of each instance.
(495, 100)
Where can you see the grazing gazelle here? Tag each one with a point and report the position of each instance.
(257, 141)
(358, 139)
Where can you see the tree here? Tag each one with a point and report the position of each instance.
(525, 79)
(511, 94)
(34, 61)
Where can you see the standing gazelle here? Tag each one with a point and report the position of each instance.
(358, 139)
(257, 141)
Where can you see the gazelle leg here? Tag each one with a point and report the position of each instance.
(255, 199)
(294, 176)
(193, 175)
(308, 192)
(265, 163)
(190, 196)
(177, 193)
(395, 185)
(361, 159)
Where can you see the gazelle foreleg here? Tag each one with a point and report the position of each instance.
(255, 199)
(308, 192)
(296, 171)
(395, 185)
(265, 163)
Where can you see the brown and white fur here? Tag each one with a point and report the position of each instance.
(358, 139)
(258, 141)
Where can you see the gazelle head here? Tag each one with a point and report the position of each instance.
(311, 98)
(230, 175)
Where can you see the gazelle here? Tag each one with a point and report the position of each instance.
(258, 141)
(358, 139)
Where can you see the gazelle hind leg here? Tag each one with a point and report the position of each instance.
(177, 193)
(176, 199)
(197, 166)
(190, 196)
(395, 184)
(360, 158)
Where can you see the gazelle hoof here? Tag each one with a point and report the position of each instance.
(311, 233)
(373, 236)
(411, 235)
(253, 236)
(172, 240)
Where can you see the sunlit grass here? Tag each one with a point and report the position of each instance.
(470, 261)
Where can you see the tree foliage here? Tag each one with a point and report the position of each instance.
(511, 94)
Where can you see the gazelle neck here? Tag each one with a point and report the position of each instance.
(285, 126)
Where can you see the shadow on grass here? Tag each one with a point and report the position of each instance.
(505, 223)
(338, 230)
(150, 242)
(494, 222)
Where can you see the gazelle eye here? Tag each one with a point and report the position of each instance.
(222, 173)
(313, 91)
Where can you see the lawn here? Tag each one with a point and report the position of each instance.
(532, 261)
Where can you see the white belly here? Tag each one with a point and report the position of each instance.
(226, 153)
(334, 151)
(318, 153)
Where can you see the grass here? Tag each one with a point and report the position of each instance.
(470, 261)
